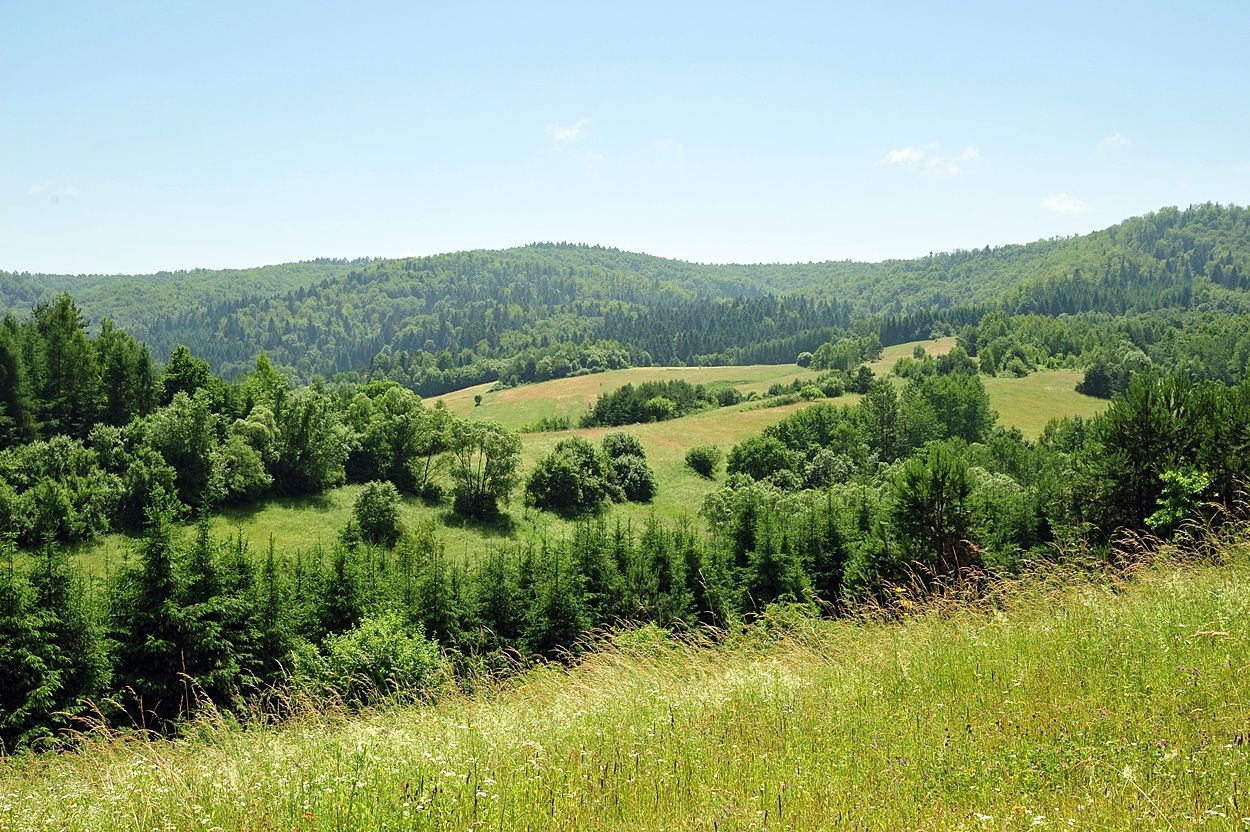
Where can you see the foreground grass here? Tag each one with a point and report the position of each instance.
(1080, 708)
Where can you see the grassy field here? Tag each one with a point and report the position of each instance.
(1029, 403)
(1026, 403)
(1095, 706)
(518, 407)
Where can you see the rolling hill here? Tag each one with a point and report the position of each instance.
(450, 321)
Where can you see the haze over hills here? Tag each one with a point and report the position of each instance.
(455, 317)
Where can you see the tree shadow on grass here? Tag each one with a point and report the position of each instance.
(502, 525)
(247, 511)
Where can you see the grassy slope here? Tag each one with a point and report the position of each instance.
(1026, 403)
(1089, 707)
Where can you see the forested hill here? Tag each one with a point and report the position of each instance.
(439, 322)
(136, 303)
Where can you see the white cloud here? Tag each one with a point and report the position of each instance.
(931, 159)
(1062, 203)
(906, 155)
(53, 189)
(592, 156)
(567, 134)
(1114, 142)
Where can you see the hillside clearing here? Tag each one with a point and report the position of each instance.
(303, 523)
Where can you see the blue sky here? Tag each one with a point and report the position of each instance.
(142, 136)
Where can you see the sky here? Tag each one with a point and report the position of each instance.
(136, 137)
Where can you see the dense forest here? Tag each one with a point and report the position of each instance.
(313, 378)
(448, 321)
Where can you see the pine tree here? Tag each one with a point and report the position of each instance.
(210, 661)
(275, 635)
(27, 683)
(774, 574)
(146, 624)
(557, 616)
(437, 602)
(71, 391)
(497, 607)
(667, 600)
(340, 604)
(70, 631)
(17, 405)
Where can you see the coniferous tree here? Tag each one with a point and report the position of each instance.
(437, 604)
(340, 604)
(210, 662)
(27, 682)
(126, 375)
(498, 607)
(71, 633)
(667, 599)
(70, 376)
(774, 573)
(146, 625)
(557, 615)
(17, 405)
(275, 633)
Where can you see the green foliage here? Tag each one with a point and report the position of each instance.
(377, 513)
(378, 659)
(760, 457)
(931, 510)
(27, 679)
(704, 460)
(487, 460)
(144, 625)
(17, 403)
(846, 354)
(634, 477)
(1181, 492)
(650, 401)
(619, 444)
(575, 478)
(66, 368)
(311, 443)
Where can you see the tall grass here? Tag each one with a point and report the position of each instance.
(1083, 704)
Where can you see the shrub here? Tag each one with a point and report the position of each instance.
(811, 393)
(659, 409)
(832, 386)
(633, 476)
(380, 657)
(704, 460)
(549, 424)
(377, 513)
(760, 457)
(573, 479)
(620, 444)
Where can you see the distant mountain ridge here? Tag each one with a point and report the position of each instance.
(450, 311)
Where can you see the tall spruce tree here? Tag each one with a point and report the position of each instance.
(27, 681)
(17, 404)
(70, 391)
(146, 625)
